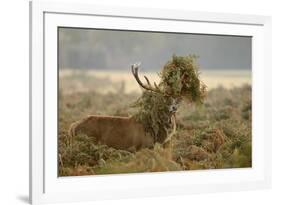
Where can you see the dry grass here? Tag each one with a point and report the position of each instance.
(99, 79)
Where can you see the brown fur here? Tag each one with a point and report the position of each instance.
(117, 132)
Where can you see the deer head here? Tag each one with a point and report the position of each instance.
(172, 106)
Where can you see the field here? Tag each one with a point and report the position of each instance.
(214, 135)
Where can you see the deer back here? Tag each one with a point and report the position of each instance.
(117, 132)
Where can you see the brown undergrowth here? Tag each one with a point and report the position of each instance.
(217, 134)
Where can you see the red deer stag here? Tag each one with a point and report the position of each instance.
(124, 133)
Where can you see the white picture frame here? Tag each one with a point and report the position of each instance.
(46, 186)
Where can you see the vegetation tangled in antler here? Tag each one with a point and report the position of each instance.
(179, 80)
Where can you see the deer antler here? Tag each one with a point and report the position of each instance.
(135, 69)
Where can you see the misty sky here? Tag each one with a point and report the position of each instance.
(108, 49)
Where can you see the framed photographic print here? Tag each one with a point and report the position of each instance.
(129, 102)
